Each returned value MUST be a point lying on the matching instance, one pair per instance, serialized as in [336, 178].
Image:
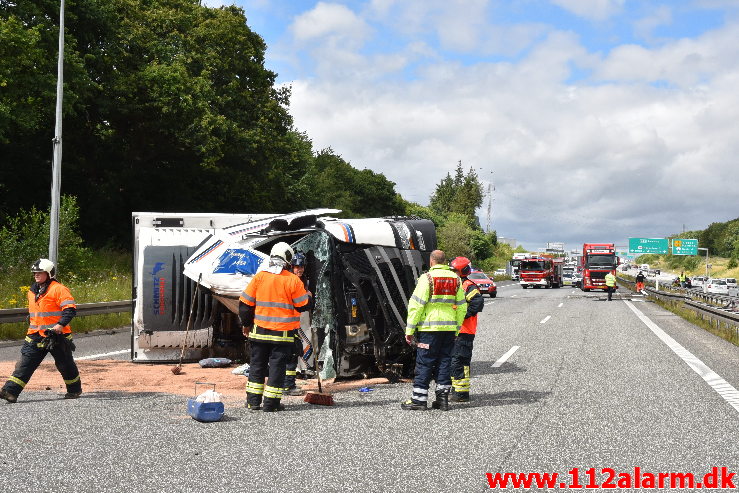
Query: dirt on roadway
[125, 376]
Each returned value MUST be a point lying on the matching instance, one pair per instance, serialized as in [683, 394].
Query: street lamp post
[56, 173]
[706, 249]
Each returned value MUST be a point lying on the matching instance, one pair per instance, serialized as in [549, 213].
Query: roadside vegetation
[92, 275]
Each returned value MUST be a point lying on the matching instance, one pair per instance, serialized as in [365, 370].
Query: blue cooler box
[205, 412]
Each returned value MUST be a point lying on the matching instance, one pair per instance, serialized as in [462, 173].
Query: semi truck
[189, 270]
[540, 272]
[598, 259]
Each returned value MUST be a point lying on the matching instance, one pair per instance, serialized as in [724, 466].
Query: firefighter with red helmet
[462, 354]
[50, 309]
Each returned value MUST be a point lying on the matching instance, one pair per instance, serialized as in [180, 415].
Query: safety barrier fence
[83, 310]
[720, 311]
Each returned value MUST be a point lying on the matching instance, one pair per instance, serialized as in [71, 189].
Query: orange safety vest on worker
[274, 298]
[469, 326]
[46, 311]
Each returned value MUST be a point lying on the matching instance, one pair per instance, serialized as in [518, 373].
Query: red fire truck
[598, 259]
[540, 271]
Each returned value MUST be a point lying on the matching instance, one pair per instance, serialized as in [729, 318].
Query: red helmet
[461, 265]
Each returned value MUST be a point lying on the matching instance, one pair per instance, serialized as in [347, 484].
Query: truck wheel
[523, 286]
[586, 289]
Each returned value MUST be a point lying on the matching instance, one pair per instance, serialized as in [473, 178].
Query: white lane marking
[560, 305]
[505, 357]
[93, 356]
[514, 296]
[545, 319]
[721, 386]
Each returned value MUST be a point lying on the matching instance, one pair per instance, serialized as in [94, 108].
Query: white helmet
[44, 265]
[283, 251]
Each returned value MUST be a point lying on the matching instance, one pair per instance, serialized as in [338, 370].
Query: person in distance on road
[462, 354]
[639, 281]
[50, 308]
[436, 310]
[269, 311]
[610, 284]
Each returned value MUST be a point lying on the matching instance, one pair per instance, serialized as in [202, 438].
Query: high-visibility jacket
[610, 280]
[475, 304]
[274, 298]
[437, 303]
[46, 311]
[683, 277]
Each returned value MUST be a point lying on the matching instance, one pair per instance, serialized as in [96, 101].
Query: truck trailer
[193, 267]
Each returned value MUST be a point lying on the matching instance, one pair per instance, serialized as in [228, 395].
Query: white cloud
[596, 10]
[645, 26]
[612, 157]
[329, 20]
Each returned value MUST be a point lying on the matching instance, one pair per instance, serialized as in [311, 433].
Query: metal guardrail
[717, 309]
[83, 310]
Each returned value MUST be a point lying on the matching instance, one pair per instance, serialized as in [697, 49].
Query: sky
[592, 120]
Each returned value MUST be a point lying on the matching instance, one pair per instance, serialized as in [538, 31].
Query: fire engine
[598, 259]
[540, 271]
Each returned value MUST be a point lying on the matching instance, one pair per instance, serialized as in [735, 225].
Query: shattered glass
[316, 247]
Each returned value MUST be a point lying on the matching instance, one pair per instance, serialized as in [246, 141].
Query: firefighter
[269, 310]
[462, 354]
[610, 284]
[50, 308]
[436, 310]
[298, 268]
[639, 281]
[683, 278]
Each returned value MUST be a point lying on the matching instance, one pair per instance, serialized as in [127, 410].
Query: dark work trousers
[461, 360]
[268, 360]
[610, 290]
[292, 364]
[433, 362]
[31, 357]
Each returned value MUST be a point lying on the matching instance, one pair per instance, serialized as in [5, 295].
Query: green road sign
[681, 246]
[641, 246]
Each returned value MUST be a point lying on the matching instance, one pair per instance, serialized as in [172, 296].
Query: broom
[178, 369]
[318, 397]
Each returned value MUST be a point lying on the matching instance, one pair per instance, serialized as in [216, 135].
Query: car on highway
[731, 282]
[484, 284]
[716, 286]
[499, 272]
[698, 281]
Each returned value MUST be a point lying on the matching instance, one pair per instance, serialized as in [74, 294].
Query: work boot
[272, 404]
[460, 397]
[73, 395]
[4, 394]
[411, 405]
[253, 401]
[442, 400]
[293, 391]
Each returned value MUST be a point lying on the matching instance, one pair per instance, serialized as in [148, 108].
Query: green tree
[167, 106]
[462, 194]
[454, 237]
[333, 182]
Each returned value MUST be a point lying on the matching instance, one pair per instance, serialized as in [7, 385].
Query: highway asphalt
[589, 384]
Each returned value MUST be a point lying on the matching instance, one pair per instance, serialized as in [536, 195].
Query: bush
[25, 238]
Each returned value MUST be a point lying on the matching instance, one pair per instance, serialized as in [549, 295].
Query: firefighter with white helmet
[269, 310]
[51, 308]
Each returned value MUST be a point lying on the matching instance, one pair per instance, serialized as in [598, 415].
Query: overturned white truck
[193, 267]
